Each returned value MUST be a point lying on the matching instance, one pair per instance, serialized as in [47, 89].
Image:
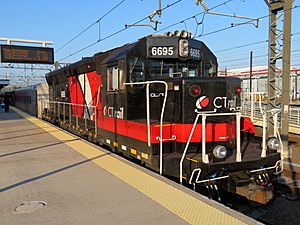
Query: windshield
[139, 70]
[172, 69]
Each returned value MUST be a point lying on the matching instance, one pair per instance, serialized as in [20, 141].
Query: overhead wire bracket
[151, 16]
[253, 21]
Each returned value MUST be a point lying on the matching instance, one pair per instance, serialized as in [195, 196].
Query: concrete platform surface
[49, 176]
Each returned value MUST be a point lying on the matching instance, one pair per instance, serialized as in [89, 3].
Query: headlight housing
[273, 143]
[184, 48]
[220, 151]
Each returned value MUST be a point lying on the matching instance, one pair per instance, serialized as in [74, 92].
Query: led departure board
[26, 54]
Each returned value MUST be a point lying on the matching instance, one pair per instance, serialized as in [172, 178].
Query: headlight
[273, 143]
[184, 48]
[220, 151]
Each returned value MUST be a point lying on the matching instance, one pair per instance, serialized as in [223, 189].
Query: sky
[61, 21]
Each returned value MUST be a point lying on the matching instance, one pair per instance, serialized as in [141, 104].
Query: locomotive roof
[119, 53]
[89, 63]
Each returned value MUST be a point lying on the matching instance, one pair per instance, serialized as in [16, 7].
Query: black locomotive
[159, 100]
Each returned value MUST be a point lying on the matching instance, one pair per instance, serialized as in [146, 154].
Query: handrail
[203, 150]
[96, 117]
[294, 115]
[72, 104]
[212, 179]
[264, 136]
[161, 115]
[278, 164]
[276, 133]
[192, 175]
[238, 133]
[186, 148]
[68, 103]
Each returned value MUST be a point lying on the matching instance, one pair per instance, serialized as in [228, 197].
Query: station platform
[49, 176]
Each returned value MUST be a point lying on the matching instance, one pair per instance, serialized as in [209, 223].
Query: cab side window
[137, 70]
[113, 78]
[210, 69]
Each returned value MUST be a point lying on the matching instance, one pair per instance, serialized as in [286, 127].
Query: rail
[148, 83]
[203, 150]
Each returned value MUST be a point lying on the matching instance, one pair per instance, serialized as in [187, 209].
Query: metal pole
[250, 80]
[275, 119]
[252, 102]
[285, 98]
[159, 8]
[296, 86]
[272, 67]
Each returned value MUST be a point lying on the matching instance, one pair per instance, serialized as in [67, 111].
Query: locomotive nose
[209, 95]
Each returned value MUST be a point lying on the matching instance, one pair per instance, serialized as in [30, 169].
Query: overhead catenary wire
[242, 46]
[91, 25]
[117, 32]
[246, 58]
[258, 62]
[235, 53]
[249, 44]
[192, 17]
[232, 26]
[253, 43]
[182, 21]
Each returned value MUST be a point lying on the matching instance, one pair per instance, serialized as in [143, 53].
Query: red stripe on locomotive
[76, 96]
[215, 132]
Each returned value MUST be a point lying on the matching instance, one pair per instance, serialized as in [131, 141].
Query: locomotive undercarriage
[251, 178]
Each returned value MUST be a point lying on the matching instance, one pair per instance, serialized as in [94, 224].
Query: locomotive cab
[188, 69]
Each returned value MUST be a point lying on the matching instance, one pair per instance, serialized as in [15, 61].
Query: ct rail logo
[111, 112]
[105, 110]
[202, 102]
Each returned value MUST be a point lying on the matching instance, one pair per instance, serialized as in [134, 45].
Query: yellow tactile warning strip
[180, 203]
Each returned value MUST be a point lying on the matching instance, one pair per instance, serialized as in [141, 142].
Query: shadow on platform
[17, 131]
[36, 148]
[28, 135]
[9, 187]
[11, 115]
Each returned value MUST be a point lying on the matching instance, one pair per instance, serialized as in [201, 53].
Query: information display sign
[26, 54]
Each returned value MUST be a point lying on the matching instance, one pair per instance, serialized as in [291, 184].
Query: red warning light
[238, 90]
[195, 90]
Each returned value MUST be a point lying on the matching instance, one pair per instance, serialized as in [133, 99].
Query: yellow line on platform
[187, 207]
